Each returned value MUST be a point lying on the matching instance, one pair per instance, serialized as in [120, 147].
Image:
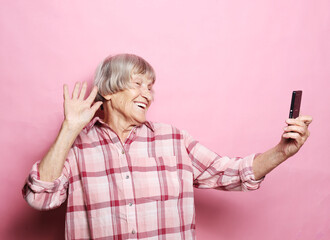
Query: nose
[147, 93]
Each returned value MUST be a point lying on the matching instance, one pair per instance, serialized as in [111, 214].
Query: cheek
[135, 92]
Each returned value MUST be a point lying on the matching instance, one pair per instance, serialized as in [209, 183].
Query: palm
[77, 110]
[289, 146]
[295, 135]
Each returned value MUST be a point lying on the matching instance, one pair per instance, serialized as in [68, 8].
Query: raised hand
[295, 135]
[79, 111]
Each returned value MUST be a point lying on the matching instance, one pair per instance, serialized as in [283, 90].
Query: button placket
[128, 191]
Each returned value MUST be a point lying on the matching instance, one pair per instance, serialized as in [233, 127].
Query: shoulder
[164, 128]
[89, 134]
[163, 131]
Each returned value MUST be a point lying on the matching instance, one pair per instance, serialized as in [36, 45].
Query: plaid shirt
[142, 189]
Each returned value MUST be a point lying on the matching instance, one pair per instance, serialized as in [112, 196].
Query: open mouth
[141, 105]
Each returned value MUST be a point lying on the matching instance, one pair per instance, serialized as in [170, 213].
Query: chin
[139, 120]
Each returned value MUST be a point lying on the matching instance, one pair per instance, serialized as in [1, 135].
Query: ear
[107, 97]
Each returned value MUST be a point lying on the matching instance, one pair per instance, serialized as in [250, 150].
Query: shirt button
[133, 231]
[130, 204]
[127, 177]
[122, 151]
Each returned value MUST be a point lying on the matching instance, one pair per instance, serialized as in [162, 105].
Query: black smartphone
[295, 104]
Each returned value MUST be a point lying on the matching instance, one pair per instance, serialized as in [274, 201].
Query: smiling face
[130, 106]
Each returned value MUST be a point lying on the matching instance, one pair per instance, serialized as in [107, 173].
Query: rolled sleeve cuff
[249, 182]
[38, 186]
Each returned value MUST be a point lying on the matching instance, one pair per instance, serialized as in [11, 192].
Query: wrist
[70, 128]
[280, 152]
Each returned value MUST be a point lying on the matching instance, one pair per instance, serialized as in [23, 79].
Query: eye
[137, 83]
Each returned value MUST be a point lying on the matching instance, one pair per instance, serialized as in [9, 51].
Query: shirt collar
[98, 121]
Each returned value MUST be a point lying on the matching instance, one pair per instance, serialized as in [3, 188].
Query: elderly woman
[127, 178]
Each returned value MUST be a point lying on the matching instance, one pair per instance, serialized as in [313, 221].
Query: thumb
[96, 106]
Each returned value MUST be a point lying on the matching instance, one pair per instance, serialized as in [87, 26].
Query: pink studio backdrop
[225, 72]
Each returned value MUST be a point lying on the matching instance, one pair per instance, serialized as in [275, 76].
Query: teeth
[141, 105]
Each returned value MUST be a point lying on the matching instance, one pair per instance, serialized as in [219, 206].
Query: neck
[121, 126]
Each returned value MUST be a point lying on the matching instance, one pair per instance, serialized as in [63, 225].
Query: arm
[78, 112]
[219, 172]
[294, 136]
[46, 186]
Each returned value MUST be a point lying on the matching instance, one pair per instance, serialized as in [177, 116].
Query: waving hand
[78, 111]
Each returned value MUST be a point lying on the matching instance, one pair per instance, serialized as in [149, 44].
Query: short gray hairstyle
[115, 72]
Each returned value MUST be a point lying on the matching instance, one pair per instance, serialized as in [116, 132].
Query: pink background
[225, 72]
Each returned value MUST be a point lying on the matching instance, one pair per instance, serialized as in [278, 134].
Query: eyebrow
[150, 82]
[142, 78]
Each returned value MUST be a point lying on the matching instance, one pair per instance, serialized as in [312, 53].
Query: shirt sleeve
[43, 195]
[213, 171]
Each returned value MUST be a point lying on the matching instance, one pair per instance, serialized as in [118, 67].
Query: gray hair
[115, 72]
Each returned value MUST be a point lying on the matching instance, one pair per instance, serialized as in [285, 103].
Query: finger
[92, 95]
[292, 135]
[83, 91]
[297, 129]
[76, 90]
[302, 121]
[96, 106]
[297, 122]
[65, 92]
[306, 119]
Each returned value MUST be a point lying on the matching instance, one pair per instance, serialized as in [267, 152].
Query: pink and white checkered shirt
[142, 189]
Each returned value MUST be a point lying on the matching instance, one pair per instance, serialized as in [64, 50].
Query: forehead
[143, 78]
